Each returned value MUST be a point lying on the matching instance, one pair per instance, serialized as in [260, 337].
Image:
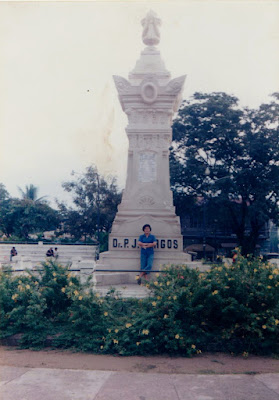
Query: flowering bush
[228, 309]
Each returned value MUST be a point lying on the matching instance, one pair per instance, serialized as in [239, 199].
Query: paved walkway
[68, 384]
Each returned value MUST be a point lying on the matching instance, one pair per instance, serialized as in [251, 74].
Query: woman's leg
[143, 264]
[149, 263]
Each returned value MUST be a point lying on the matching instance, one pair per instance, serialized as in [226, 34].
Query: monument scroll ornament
[149, 98]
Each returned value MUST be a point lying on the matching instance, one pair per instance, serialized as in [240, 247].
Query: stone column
[149, 98]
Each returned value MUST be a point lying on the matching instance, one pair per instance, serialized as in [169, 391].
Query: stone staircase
[30, 255]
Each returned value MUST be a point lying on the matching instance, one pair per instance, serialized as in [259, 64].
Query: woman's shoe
[139, 281]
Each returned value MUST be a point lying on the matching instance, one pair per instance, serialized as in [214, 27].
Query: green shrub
[229, 308]
[226, 309]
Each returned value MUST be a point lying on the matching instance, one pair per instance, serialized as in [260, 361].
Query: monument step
[124, 291]
[114, 278]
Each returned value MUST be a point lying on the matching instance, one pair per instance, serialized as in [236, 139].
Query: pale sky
[59, 109]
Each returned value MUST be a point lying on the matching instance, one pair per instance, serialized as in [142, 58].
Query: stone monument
[149, 98]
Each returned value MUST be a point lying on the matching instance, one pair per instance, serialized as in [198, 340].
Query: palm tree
[31, 194]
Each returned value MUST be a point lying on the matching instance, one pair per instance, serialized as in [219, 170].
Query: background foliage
[228, 156]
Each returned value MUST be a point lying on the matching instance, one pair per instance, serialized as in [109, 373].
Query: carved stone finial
[151, 33]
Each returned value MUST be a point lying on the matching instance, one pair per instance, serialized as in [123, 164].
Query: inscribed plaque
[147, 167]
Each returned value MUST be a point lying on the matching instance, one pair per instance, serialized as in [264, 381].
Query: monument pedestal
[149, 98]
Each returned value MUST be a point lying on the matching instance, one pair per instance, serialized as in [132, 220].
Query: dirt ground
[201, 364]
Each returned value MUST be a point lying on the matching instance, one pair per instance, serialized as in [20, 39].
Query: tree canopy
[21, 217]
[230, 156]
[95, 201]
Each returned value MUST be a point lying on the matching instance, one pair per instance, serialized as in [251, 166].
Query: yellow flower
[245, 354]
[255, 270]
[199, 351]
[70, 283]
[264, 326]
[166, 316]
[27, 286]
[105, 313]
[276, 322]
[36, 283]
[177, 336]
[115, 341]
[157, 274]
[14, 296]
[128, 325]
[63, 289]
[269, 287]
[159, 297]
[101, 347]
[109, 330]
[116, 330]
[215, 292]
[138, 343]
[168, 283]
[193, 346]
[156, 283]
[54, 273]
[174, 297]
[80, 298]
[270, 277]
[97, 294]
[76, 292]
[145, 331]
[154, 303]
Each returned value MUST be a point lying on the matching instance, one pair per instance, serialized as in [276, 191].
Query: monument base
[117, 261]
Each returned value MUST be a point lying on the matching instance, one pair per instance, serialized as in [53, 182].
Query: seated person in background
[50, 253]
[234, 256]
[13, 253]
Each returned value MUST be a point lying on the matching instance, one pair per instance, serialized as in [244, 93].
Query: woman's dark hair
[146, 226]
